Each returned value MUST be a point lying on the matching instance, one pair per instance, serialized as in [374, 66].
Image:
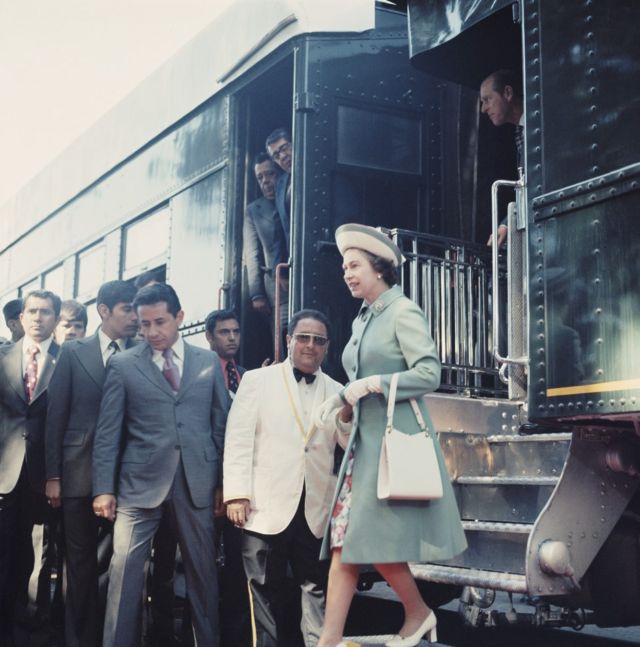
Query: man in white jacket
[278, 477]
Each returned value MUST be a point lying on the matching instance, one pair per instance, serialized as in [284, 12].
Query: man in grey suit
[25, 370]
[159, 443]
[264, 241]
[75, 392]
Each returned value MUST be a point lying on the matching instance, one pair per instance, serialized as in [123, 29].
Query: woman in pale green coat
[389, 335]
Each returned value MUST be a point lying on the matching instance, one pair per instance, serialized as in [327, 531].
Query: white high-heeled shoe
[427, 628]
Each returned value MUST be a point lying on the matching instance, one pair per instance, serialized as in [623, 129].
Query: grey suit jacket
[22, 423]
[144, 429]
[75, 392]
[264, 247]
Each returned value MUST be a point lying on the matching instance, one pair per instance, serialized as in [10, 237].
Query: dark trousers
[235, 615]
[28, 553]
[265, 559]
[82, 612]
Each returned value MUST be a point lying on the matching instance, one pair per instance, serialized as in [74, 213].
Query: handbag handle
[391, 403]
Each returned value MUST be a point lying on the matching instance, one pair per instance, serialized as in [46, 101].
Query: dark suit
[75, 392]
[156, 449]
[264, 247]
[283, 205]
[23, 505]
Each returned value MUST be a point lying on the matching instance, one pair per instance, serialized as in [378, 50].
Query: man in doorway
[278, 478]
[26, 368]
[75, 392]
[223, 334]
[158, 444]
[501, 99]
[264, 240]
[281, 152]
[73, 321]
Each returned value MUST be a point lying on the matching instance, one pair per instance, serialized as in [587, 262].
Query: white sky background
[63, 63]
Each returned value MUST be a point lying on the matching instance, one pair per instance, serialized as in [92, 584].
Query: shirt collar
[178, 350]
[27, 342]
[318, 372]
[381, 303]
[105, 340]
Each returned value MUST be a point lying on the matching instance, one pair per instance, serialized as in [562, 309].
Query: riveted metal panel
[583, 189]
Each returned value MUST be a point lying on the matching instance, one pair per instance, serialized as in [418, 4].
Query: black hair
[218, 315]
[278, 133]
[44, 294]
[383, 266]
[262, 157]
[74, 311]
[113, 292]
[12, 309]
[158, 293]
[500, 79]
[309, 314]
[148, 277]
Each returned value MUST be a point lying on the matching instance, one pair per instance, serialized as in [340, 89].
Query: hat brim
[370, 240]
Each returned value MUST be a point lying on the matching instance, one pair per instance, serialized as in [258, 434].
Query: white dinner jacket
[268, 458]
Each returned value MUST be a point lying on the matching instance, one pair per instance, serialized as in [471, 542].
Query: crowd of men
[103, 435]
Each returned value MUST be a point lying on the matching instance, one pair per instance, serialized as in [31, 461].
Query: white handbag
[408, 467]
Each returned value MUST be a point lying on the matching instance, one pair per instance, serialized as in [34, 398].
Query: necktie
[31, 374]
[170, 370]
[232, 378]
[114, 348]
[308, 377]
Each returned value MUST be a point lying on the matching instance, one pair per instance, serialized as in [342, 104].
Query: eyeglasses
[305, 338]
[280, 151]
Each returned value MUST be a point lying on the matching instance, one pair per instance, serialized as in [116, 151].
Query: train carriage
[539, 433]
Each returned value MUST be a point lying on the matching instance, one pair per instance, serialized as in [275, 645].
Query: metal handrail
[495, 187]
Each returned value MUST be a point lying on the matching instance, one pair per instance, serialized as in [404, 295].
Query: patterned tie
[232, 378]
[31, 374]
[170, 370]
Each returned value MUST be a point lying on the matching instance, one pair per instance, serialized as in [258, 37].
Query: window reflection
[90, 271]
[146, 242]
[54, 281]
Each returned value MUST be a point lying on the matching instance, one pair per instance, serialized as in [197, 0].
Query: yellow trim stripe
[601, 387]
[254, 632]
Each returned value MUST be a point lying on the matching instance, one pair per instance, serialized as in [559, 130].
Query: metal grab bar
[495, 318]
[277, 329]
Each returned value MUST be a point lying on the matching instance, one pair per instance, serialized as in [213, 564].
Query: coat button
[176, 446]
[180, 424]
[355, 342]
[24, 434]
[353, 368]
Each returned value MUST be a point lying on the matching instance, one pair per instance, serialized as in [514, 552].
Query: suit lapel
[90, 358]
[293, 395]
[190, 367]
[146, 366]
[13, 360]
[47, 370]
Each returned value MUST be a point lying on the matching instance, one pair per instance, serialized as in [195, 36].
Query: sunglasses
[305, 338]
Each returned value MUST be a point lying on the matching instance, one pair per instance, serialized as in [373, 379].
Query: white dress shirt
[105, 341]
[41, 357]
[178, 356]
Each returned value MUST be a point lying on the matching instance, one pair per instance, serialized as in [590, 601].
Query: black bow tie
[298, 374]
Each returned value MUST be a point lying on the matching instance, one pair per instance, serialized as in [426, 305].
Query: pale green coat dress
[389, 336]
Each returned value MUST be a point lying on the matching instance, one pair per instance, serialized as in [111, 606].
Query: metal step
[507, 480]
[513, 582]
[497, 527]
[529, 438]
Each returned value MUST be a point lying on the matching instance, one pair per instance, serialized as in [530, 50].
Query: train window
[54, 281]
[397, 145]
[35, 284]
[146, 242]
[90, 271]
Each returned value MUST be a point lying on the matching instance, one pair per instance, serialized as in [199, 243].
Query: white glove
[327, 410]
[360, 388]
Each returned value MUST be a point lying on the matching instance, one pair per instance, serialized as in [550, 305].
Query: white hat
[369, 239]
